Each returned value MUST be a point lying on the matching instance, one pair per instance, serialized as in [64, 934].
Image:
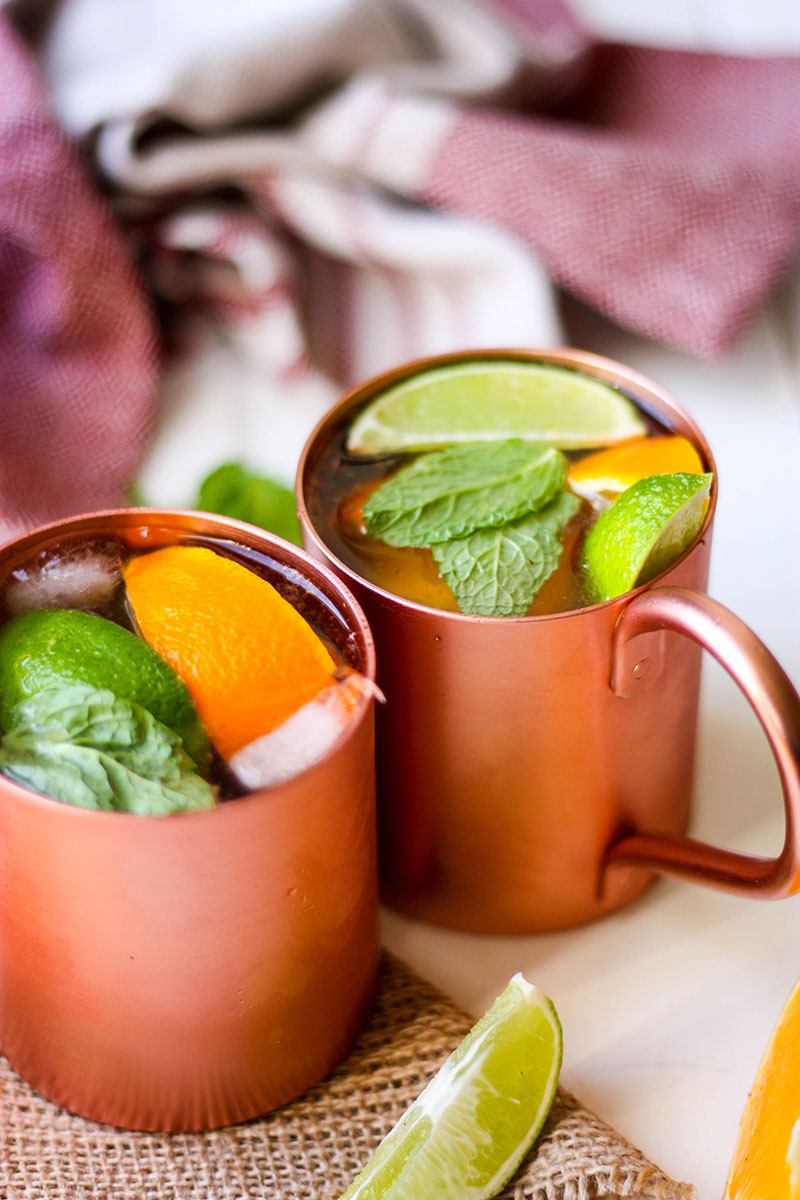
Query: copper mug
[195, 970]
[534, 772]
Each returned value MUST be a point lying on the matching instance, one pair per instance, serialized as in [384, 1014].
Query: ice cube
[304, 737]
[85, 576]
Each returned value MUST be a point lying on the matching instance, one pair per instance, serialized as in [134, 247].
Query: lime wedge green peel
[491, 400]
[467, 1133]
[51, 648]
[646, 528]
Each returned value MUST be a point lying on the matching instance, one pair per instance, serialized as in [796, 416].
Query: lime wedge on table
[469, 1130]
[484, 401]
[646, 528]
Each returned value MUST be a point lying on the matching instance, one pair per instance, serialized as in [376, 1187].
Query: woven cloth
[311, 1149]
[317, 190]
[77, 341]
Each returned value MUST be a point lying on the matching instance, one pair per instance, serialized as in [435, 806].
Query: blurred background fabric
[77, 338]
[314, 190]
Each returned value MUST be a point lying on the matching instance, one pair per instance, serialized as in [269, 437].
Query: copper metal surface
[518, 790]
[191, 971]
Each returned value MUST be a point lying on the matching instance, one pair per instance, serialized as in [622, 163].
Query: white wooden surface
[667, 1005]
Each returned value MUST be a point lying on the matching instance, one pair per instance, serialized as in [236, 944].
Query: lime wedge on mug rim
[646, 528]
[467, 1133]
[491, 400]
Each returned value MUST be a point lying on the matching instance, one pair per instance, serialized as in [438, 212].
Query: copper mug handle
[774, 701]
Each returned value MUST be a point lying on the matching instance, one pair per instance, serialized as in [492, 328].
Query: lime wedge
[491, 400]
[646, 528]
[54, 648]
[469, 1130]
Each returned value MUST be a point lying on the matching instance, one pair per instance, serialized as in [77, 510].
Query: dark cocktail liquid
[341, 484]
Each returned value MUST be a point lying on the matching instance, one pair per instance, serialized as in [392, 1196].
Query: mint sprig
[491, 513]
[88, 747]
[497, 572]
[452, 492]
[234, 491]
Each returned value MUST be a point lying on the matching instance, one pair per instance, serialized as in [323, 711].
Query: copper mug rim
[596, 366]
[312, 571]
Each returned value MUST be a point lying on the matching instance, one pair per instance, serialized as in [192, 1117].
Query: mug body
[507, 763]
[191, 971]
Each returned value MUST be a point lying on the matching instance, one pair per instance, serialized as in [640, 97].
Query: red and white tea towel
[77, 341]
[319, 189]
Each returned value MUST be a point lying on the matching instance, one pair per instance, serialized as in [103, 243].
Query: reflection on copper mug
[191, 971]
[533, 772]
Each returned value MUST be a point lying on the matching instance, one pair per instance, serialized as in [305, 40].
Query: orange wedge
[766, 1160]
[615, 469]
[794, 1162]
[247, 656]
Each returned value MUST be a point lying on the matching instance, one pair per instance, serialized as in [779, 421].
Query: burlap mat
[311, 1149]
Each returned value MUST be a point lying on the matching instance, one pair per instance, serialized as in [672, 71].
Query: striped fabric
[320, 189]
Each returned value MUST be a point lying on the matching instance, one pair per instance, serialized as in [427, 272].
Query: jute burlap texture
[311, 1149]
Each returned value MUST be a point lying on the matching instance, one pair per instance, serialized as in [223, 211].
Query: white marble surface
[668, 1005]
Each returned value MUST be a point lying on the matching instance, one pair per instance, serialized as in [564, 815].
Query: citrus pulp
[491, 401]
[766, 1159]
[617, 467]
[247, 656]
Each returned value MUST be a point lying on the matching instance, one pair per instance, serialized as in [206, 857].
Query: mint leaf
[497, 572]
[559, 512]
[234, 491]
[452, 492]
[89, 778]
[88, 747]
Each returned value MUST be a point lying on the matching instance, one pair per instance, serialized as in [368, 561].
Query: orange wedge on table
[247, 656]
[766, 1159]
[618, 467]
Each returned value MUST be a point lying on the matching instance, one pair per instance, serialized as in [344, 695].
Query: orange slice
[248, 658]
[764, 1164]
[793, 1158]
[615, 469]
